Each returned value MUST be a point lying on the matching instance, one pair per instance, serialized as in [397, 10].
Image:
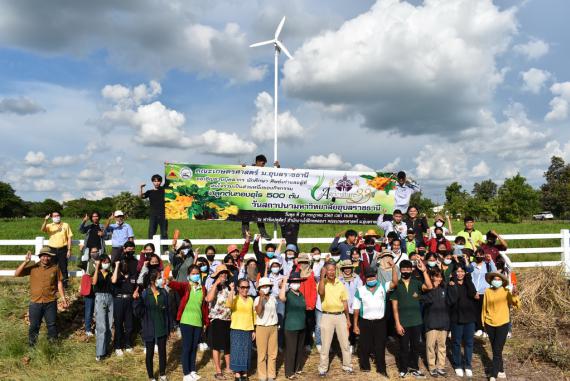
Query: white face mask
[56, 220]
[265, 290]
[316, 258]
[335, 258]
[295, 286]
[439, 224]
[105, 266]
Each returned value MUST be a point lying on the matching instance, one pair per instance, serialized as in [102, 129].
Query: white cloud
[434, 163]
[44, 185]
[222, 143]
[330, 161]
[59, 161]
[414, 69]
[559, 104]
[34, 172]
[533, 49]
[66, 196]
[480, 170]
[20, 106]
[392, 166]
[35, 158]
[262, 128]
[127, 97]
[361, 168]
[534, 79]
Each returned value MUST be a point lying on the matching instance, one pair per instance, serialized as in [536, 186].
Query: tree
[424, 204]
[555, 193]
[517, 199]
[11, 205]
[456, 199]
[133, 206]
[485, 190]
[481, 209]
[43, 208]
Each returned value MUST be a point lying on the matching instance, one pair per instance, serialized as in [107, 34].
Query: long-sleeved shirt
[343, 247]
[403, 194]
[478, 275]
[436, 309]
[461, 300]
[392, 226]
[496, 303]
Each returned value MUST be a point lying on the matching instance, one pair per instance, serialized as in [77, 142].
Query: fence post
[566, 251]
[38, 245]
[156, 242]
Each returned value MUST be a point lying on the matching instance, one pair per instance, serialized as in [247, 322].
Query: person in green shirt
[152, 308]
[473, 238]
[295, 307]
[408, 317]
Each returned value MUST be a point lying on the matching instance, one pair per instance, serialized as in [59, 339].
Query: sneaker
[201, 347]
[195, 376]
[188, 377]
[119, 352]
[509, 335]
[501, 375]
[318, 348]
[98, 358]
[459, 372]
[492, 379]
[403, 374]
[417, 374]
[89, 334]
[433, 373]
[129, 350]
[163, 378]
[478, 333]
[152, 379]
[351, 349]
[178, 333]
[347, 369]
[468, 373]
[441, 372]
[155, 350]
[144, 350]
[322, 374]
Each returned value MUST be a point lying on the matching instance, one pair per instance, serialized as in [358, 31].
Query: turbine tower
[279, 47]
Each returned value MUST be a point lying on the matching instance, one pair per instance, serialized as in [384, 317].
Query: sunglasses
[244, 287]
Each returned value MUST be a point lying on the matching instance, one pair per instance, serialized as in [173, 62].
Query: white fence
[563, 249]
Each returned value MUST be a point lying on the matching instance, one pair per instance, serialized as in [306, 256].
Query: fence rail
[563, 248]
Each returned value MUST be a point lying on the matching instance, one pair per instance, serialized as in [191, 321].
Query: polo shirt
[335, 296]
[476, 236]
[295, 312]
[371, 304]
[410, 246]
[43, 281]
[121, 233]
[58, 234]
[408, 302]
[192, 314]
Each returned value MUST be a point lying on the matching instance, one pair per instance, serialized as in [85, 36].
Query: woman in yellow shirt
[495, 317]
[241, 329]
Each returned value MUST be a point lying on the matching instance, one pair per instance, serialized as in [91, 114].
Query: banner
[283, 195]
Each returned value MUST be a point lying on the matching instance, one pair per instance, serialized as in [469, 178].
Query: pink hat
[232, 248]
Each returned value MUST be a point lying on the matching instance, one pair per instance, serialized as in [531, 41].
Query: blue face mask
[372, 283]
[275, 270]
[204, 269]
[160, 283]
[194, 278]
[497, 283]
[270, 254]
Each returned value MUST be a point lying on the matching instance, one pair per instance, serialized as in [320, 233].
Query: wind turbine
[279, 47]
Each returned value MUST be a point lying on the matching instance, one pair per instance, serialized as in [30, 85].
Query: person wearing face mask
[153, 264]
[408, 318]
[440, 222]
[496, 317]
[436, 323]
[448, 266]
[369, 320]
[242, 332]
[220, 319]
[357, 263]
[276, 277]
[232, 268]
[145, 256]
[238, 254]
[264, 258]
[266, 322]
[479, 269]
[94, 236]
[418, 224]
[193, 317]
[461, 294]
[182, 259]
[249, 271]
[473, 237]
[151, 307]
[121, 232]
[295, 307]
[351, 282]
[124, 282]
[431, 262]
[60, 235]
[492, 247]
[102, 287]
[211, 256]
[439, 239]
[318, 263]
[309, 291]
[289, 257]
[45, 282]
[369, 251]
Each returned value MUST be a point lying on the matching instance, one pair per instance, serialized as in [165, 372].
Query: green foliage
[424, 204]
[517, 199]
[43, 208]
[481, 209]
[485, 190]
[133, 206]
[456, 199]
[10, 204]
[555, 195]
[82, 206]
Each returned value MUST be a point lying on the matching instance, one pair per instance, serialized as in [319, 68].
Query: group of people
[409, 285]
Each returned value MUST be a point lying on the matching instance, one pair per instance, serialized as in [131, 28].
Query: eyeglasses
[244, 287]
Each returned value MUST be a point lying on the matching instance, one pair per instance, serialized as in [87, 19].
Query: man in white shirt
[404, 191]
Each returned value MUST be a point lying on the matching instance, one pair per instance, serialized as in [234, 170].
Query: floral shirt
[218, 309]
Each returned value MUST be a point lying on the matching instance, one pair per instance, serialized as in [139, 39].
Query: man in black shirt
[94, 237]
[124, 285]
[157, 217]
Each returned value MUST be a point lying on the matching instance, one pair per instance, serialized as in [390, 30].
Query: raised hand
[47, 217]
[421, 266]
[85, 218]
[28, 256]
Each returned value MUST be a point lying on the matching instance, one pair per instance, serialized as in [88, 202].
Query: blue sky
[95, 100]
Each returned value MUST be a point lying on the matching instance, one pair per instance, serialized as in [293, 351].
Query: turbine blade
[279, 27]
[284, 49]
[262, 43]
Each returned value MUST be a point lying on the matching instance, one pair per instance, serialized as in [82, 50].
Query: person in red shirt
[309, 291]
[439, 238]
[491, 246]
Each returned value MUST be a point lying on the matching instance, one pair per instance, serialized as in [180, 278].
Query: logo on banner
[186, 173]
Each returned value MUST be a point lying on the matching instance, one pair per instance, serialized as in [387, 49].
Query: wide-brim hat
[231, 249]
[264, 282]
[303, 257]
[220, 269]
[490, 276]
[46, 251]
[345, 264]
[249, 257]
[371, 233]
[295, 276]
[274, 261]
[386, 253]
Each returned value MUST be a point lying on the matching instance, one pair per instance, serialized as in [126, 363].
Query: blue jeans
[318, 316]
[103, 322]
[88, 311]
[190, 339]
[462, 333]
[39, 311]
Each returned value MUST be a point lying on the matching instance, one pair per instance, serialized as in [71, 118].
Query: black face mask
[479, 259]
[439, 236]
[406, 275]
[153, 267]
[442, 252]
[369, 249]
[129, 254]
[211, 257]
[491, 242]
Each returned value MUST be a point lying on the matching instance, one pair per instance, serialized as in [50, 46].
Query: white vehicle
[543, 216]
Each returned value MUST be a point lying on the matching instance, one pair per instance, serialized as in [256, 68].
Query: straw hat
[345, 264]
[490, 276]
[220, 269]
[371, 233]
[304, 257]
[386, 253]
[46, 251]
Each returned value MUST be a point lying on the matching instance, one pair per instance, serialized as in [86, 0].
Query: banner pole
[276, 99]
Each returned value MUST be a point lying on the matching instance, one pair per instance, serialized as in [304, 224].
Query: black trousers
[161, 343]
[37, 312]
[479, 304]
[310, 323]
[497, 337]
[123, 317]
[290, 231]
[294, 351]
[116, 254]
[154, 222]
[351, 334]
[372, 340]
[61, 258]
[410, 344]
[260, 226]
